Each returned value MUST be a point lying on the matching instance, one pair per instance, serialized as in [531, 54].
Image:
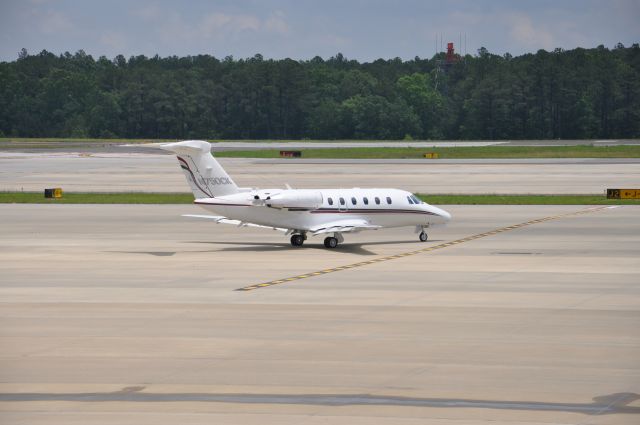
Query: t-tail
[204, 174]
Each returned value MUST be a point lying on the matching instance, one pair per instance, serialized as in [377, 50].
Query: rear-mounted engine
[294, 199]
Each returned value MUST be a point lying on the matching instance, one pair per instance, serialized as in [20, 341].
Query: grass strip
[471, 152]
[187, 198]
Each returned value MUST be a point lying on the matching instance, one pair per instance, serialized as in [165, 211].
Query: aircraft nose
[442, 213]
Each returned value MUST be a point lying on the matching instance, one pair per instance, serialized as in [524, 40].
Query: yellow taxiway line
[419, 251]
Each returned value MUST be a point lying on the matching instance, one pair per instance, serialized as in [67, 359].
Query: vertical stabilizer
[204, 174]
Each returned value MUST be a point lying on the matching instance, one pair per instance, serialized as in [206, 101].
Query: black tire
[330, 242]
[297, 240]
[423, 236]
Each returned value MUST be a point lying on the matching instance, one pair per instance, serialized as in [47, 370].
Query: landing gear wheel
[330, 242]
[297, 240]
[423, 236]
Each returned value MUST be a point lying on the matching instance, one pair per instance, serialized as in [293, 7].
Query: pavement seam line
[420, 251]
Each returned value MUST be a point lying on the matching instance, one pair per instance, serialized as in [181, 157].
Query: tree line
[563, 94]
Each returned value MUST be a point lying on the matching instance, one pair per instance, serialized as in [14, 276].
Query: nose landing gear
[423, 233]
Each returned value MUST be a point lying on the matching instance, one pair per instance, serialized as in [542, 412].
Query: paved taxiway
[111, 172]
[127, 314]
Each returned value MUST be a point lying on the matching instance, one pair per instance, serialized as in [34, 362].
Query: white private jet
[299, 212]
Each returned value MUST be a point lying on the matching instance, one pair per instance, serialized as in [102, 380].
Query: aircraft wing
[343, 226]
[225, 220]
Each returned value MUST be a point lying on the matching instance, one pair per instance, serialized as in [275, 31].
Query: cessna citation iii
[299, 212]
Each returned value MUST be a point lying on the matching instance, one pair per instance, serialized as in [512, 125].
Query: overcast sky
[302, 29]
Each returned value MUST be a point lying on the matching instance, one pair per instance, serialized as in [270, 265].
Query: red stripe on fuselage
[332, 211]
[370, 210]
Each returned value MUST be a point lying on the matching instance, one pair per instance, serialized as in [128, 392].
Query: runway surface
[129, 314]
[160, 173]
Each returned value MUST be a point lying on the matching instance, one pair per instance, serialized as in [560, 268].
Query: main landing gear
[298, 239]
[330, 242]
[333, 241]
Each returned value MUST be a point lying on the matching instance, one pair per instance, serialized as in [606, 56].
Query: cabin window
[353, 201]
[377, 200]
[341, 201]
[330, 201]
[365, 200]
[388, 200]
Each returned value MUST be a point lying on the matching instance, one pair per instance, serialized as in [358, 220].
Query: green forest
[563, 94]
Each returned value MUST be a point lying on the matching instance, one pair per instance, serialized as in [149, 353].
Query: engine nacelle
[295, 198]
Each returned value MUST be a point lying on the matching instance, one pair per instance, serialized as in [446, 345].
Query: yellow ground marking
[420, 251]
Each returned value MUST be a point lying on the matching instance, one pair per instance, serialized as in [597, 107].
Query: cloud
[523, 30]
[217, 24]
[276, 23]
[52, 22]
[148, 13]
[507, 30]
[335, 42]
[114, 41]
[173, 26]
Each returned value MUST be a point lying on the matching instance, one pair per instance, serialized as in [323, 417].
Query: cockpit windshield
[416, 199]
